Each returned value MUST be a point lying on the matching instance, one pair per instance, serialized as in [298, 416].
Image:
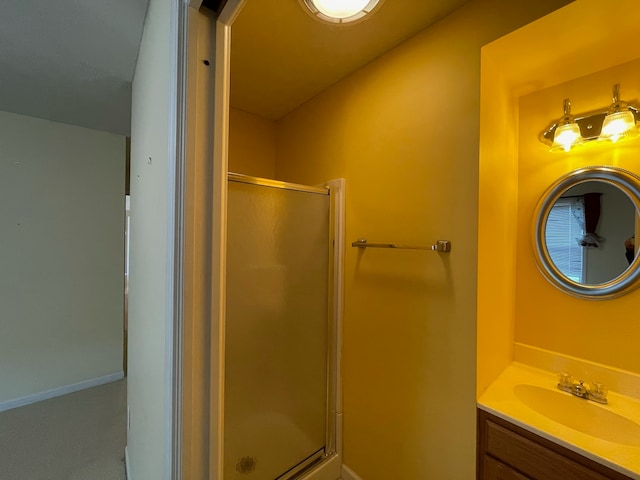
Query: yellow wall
[603, 331]
[525, 77]
[252, 144]
[404, 132]
[497, 206]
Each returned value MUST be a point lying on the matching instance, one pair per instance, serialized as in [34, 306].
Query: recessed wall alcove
[577, 52]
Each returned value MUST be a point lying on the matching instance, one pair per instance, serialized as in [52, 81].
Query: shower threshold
[305, 469]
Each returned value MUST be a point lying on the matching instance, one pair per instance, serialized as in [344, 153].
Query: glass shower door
[276, 330]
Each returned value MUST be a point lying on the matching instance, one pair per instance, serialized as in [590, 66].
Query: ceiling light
[619, 121]
[567, 132]
[340, 11]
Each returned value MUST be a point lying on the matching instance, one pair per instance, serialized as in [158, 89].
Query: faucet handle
[565, 380]
[599, 392]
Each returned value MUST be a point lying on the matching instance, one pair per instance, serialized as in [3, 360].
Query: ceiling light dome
[340, 11]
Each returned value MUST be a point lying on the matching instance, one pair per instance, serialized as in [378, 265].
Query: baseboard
[56, 392]
[348, 474]
[127, 471]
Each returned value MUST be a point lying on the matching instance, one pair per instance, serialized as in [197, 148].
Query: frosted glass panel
[276, 330]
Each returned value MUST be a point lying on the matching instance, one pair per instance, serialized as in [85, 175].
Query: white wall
[616, 224]
[61, 256]
[150, 297]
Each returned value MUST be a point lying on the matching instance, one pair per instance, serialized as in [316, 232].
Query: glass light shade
[340, 11]
[566, 136]
[617, 125]
[340, 8]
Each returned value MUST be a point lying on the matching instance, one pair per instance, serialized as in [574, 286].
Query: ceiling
[70, 61]
[281, 56]
[73, 61]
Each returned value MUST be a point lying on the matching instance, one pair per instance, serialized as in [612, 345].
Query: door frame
[222, 94]
[202, 107]
[198, 414]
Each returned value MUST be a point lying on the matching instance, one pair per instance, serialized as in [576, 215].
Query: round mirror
[584, 232]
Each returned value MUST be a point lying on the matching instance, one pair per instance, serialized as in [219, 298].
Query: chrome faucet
[597, 392]
[579, 390]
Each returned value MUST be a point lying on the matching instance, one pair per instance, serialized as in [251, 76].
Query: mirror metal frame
[624, 283]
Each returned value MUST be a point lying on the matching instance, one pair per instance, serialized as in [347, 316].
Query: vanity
[505, 450]
[529, 429]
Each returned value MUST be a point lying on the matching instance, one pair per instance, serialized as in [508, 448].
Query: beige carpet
[80, 436]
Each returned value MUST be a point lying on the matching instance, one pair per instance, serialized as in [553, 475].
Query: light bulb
[340, 8]
[567, 133]
[617, 125]
[566, 136]
[340, 11]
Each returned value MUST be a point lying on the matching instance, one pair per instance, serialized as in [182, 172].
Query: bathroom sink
[579, 414]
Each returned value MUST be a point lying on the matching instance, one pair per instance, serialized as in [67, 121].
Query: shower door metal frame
[265, 182]
[335, 190]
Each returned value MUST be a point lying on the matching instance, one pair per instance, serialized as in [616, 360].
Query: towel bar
[440, 245]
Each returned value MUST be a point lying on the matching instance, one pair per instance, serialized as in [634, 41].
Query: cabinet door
[494, 470]
[505, 450]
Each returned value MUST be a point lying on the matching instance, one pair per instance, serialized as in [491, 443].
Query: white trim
[230, 11]
[127, 469]
[338, 192]
[348, 474]
[173, 266]
[175, 343]
[222, 47]
[339, 429]
[219, 246]
[58, 391]
[338, 187]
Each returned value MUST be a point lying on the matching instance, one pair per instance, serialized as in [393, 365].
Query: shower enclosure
[280, 340]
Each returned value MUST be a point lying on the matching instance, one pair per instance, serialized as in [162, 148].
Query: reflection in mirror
[584, 233]
[588, 230]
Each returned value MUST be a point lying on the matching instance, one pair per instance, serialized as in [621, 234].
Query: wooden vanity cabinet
[509, 452]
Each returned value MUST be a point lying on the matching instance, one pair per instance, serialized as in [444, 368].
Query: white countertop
[500, 399]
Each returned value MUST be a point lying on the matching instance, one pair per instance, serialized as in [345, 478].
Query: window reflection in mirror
[564, 229]
[589, 231]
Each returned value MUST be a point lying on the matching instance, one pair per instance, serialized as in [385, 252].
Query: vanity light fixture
[618, 121]
[340, 11]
